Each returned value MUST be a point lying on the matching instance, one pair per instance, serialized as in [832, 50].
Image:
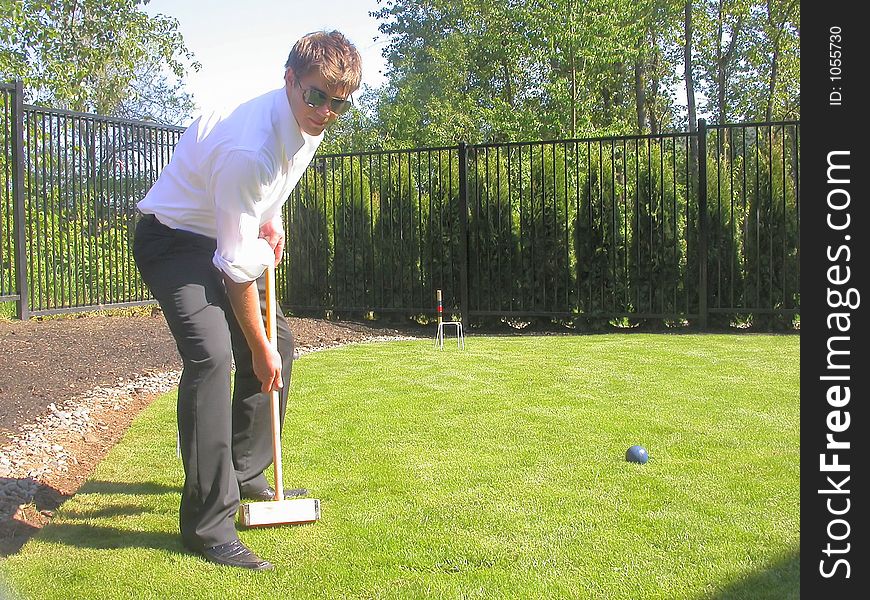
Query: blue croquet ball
[637, 454]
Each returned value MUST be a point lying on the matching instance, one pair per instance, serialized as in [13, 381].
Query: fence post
[463, 234]
[19, 223]
[703, 226]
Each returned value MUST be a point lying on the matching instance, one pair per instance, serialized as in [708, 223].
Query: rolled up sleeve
[237, 188]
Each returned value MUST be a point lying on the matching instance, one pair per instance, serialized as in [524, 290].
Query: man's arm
[243, 251]
[245, 300]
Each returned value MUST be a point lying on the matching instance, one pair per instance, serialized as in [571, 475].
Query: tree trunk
[690, 92]
[640, 94]
[723, 62]
[771, 86]
[652, 102]
[687, 69]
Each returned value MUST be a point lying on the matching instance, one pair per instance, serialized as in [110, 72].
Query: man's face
[313, 87]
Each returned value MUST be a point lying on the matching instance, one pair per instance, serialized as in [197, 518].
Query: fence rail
[699, 227]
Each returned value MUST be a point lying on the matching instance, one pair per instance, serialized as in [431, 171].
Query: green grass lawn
[495, 472]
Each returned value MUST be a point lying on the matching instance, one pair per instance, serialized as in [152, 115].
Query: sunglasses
[316, 98]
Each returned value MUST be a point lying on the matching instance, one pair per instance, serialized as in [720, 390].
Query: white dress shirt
[230, 173]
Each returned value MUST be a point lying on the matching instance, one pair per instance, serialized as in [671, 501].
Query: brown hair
[329, 53]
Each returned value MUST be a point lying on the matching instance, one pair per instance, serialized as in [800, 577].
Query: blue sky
[242, 45]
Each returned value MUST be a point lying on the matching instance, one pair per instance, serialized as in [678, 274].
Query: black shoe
[236, 554]
[269, 493]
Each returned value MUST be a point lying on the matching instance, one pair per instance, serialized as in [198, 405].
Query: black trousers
[224, 429]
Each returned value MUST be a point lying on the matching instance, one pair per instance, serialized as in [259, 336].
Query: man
[211, 225]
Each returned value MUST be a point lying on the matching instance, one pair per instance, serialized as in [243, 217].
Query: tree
[748, 58]
[461, 71]
[517, 70]
[103, 56]
[771, 88]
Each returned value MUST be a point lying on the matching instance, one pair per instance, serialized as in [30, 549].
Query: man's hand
[273, 232]
[267, 368]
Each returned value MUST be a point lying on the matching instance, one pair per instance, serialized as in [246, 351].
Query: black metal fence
[688, 227]
[698, 227]
[70, 185]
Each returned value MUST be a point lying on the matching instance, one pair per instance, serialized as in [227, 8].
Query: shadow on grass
[82, 535]
[76, 530]
[137, 488]
[109, 512]
[40, 502]
[13, 535]
[779, 581]
[25, 506]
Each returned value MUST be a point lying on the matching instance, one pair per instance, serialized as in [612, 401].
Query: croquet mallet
[278, 511]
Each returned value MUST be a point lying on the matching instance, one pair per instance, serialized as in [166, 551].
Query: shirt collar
[292, 137]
